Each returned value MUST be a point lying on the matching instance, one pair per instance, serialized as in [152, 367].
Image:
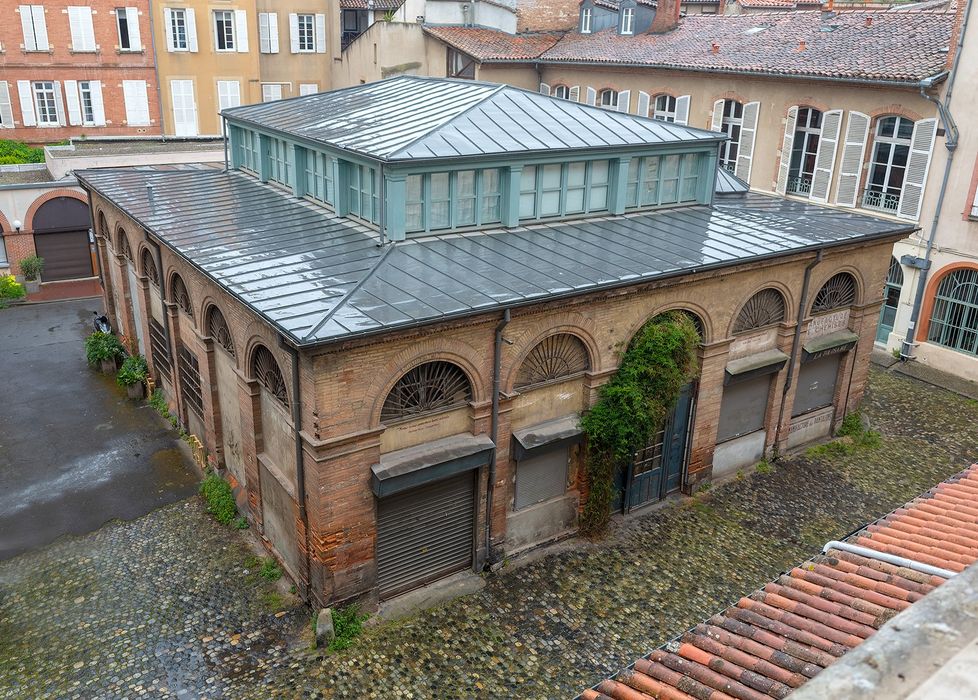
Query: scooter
[101, 323]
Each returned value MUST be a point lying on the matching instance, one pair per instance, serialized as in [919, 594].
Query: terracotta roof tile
[491, 45]
[785, 633]
[379, 5]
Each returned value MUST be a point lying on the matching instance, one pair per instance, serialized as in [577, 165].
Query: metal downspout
[156, 69]
[795, 342]
[300, 470]
[951, 144]
[497, 355]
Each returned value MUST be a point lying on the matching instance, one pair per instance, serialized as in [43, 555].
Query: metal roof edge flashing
[893, 559]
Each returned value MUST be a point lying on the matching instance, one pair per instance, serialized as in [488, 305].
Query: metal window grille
[124, 247]
[269, 375]
[219, 331]
[159, 350]
[429, 387]
[149, 268]
[181, 296]
[554, 357]
[838, 292]
[954, 321]
[189, 376]
[762, 309]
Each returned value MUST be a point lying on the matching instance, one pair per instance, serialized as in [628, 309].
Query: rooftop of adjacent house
[319, 278]
[378, 5]
[24, 174]
[883, 47]
[774, 640]
[411, 118]
[87, 148]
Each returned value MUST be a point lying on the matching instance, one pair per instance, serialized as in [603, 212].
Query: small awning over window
[432, 461]
[831, 344]
[744, 368]
[546, 436]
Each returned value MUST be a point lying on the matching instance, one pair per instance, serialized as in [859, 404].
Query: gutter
[156, 70]
[497, 355]
[951, 144]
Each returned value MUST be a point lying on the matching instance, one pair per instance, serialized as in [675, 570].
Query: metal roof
[728, 183]
[412, 117]
[320, 278]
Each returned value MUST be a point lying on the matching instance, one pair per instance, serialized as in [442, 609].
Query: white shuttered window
[82, 31]
[228, 94]
[184, 107]
[137, 102]
[34, 27]
[6, 107]
[851, 165]
[127, 22]
[268, 32]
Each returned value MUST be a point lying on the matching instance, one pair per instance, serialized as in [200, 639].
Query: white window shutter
[82, 31]
[132, 23]
[682, 110]
[272, 32]
[74, 104]
[98, 105]
[748, 134]
[544, 89]
[592, 96]
[643, 104]
[59, 104]
[574, 94]
[828, 147]
[624, 101]
[264, 42]
[294, 31]
[308, 88]
[716, 123]
[851, 165]
[191, 30]
[921, 148]
[787, 144]
[320, 33]
[241, 30]
[27, 25]
[6, 107]
[26, 94]
[168, 27]
[137, 102]
[228, 94]
[40, 28]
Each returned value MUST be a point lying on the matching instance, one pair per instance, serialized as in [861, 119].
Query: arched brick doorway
[61, 237]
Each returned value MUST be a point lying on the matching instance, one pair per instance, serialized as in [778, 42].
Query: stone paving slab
[164, 595]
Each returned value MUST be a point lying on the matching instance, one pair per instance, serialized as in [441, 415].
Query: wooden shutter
[98, 105]
[544, 89]
[137, 102]
[592, 96]
[716, 123]
[294, 31]
[574, 94]
[27, 26]
[168, 27]
[132, 24]
[320, 33]
[851, 165]
[26, 95]
[74, 104]
[828, 147]
[643, 104]
[241, 30]
[59, 104]
[228, 94]
[264, 33]
[921, 148]
[682, 110]
[40, 27]
[191, 30]
[787, 144]
[6, 107]
[272, 32]
[624, 101]
[82, 32]
[748, 135]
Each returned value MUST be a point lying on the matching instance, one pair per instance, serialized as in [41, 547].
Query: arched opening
[954, 318]
[764, 309]
[180, 296]
[430, 387]
[891, 300]
[608, 98]
[150, 270]
[555, 357]
[227, 406]
[266, 371]
[837, 293]
[3, 246]
[664, 108]
[60, 228]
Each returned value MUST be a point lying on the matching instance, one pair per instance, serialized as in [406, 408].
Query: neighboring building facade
[382, 260]
[71, 69]
[298, 43]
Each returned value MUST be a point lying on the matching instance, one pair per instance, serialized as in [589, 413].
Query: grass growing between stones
[347, 625]
[219, 498]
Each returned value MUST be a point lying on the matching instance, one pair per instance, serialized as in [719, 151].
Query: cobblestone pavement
[155, 607]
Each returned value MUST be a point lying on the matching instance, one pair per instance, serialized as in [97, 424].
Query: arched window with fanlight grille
[765, 308]
[554, 357]
[149, 268]
[266, 370]
[839, 292]
[180, 295]
[433, 386]
[954, 320]
[124, 248]
[218, 330]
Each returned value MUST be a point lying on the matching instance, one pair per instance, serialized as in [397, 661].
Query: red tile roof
[780, 636]
[895, 47]
[379, 5]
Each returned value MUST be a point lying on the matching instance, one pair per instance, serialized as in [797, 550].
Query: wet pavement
[161, 607]
[74, 451]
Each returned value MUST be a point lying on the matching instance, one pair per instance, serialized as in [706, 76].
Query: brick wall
[544, 15]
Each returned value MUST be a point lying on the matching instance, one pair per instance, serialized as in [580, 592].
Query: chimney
[828, 10]
[801, 45]
[715, 48]
[666, 17]
[869, 21]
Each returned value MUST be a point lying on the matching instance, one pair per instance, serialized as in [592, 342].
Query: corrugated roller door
[425, 534]
[66, 255]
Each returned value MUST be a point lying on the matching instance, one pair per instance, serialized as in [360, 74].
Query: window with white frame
[563, 189]
[228, 94]
[270, 92]
[954, 319]
[319, 176]
[664, 108]
[224, 30]
[731, 124]
[178, 29]
[586, 20]
[608, 98]
[628, 20]
[136, 97]
[6, 106]
[34, 28]
[561, 91]
[888, 166]
[363, 192]
[804, 150]
[459, 199]
[127, 23]
[307, 33]
[46, 101]
[663, 180]
[308, 88]
[85, 102]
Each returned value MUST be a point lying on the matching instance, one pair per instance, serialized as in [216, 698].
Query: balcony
[875, 198]
[800, 185]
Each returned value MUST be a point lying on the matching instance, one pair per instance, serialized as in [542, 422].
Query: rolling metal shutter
[425, 533]
[816, 384]
[743, 407]
[66, 255]
[541, 478]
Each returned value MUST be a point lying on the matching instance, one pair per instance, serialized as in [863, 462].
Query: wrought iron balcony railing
[875, 198]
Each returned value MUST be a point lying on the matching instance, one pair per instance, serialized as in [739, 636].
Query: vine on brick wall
[659, 361]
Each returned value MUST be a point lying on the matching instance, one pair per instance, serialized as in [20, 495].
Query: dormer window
[586, 20]
[628, 20]
[608, 98]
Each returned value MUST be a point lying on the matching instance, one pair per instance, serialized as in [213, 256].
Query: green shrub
[220, 501]
[158, 402]
[133, 371]
[347, 624]
[102, 346]
[18, 153]
[10, 288]
[32, 266]
[270, 570]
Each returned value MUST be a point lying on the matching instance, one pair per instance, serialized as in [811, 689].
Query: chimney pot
[715, 47]
[869, 21]
[801, 45]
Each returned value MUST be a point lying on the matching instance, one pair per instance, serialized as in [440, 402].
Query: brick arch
[894, 110]
[137, 256]
[691, 307]
[807, 103]
[817, 285]
[47, 197]
[576, 330]
[5, 225]
[923, 322]
[208, 304]
[663, 90]
[103, 232]
[790, 303]
[120, 233]
[172, 273]
[728, 95]
[248, 349]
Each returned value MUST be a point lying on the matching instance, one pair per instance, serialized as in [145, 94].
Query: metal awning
[744, 368]
[413, 466]
[831, 344]
[546, 436]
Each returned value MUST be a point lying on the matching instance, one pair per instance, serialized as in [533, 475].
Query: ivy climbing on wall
[658, 362]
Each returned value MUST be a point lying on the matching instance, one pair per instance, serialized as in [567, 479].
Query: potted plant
[31, 267]
[103, 349]
[132, 375]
